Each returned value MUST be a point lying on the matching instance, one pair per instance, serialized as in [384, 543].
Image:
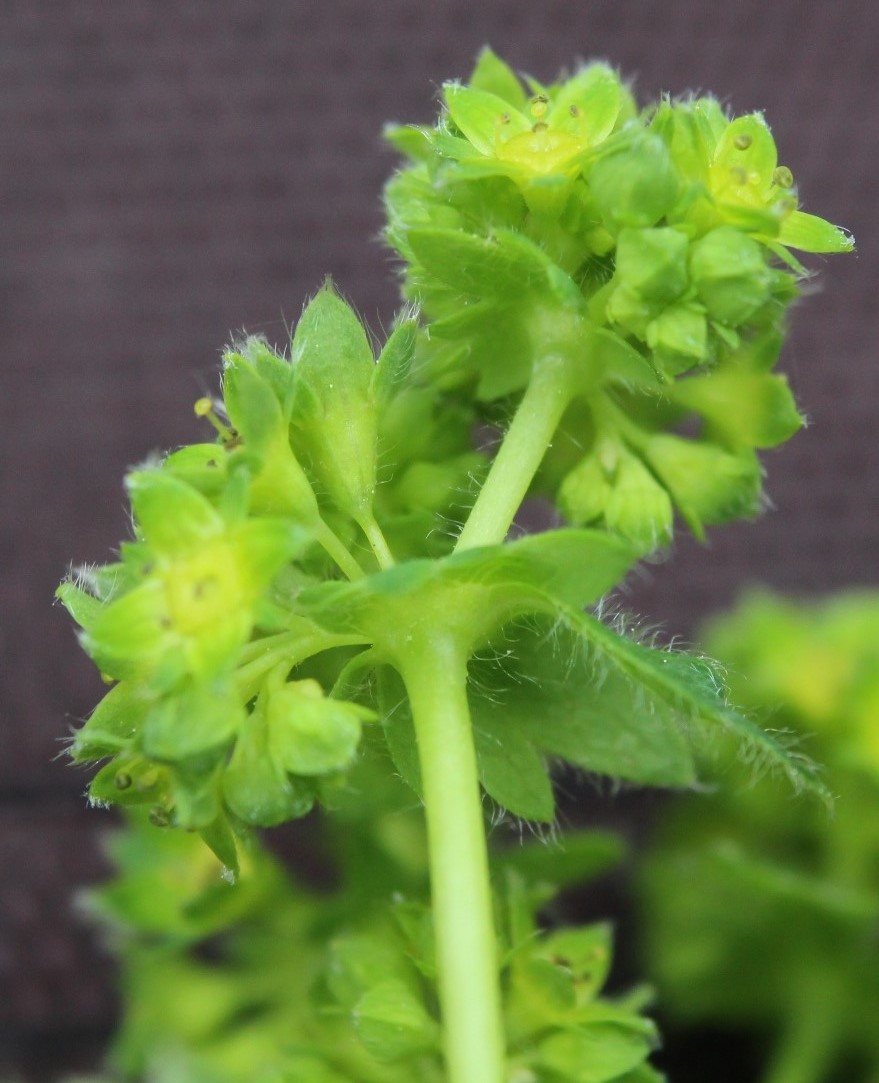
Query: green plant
[798, 964]
[329, 584]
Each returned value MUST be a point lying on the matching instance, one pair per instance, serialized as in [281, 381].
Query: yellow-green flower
[192, 606]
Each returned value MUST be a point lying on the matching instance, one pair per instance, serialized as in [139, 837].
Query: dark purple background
[172, 173]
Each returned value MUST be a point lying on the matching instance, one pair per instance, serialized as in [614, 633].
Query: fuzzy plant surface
[777, 928]
[335, 568]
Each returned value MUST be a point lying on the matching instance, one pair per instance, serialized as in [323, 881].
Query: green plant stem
[433, 663]
[377, 540]
[334, 548]
[530, 434]
[289, 648]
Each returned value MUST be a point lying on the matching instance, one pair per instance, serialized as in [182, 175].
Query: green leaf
[652, 263]
[688, 688]
[131, 780]
[492, 76]
[505, 266]
[709, 484]
[395, 359]
[601, 701]
[130, 632]
[749, 409]
[511, 771]
[333, 407]
[572, 566]
[679, 336]
[587, 105]
[730, 274]
[572, 702]
[220, 839]
[586, 953]
[397, 726]
[276, 371]
[584, 492]
[809, 233]
[310, 734]
[599, 1053]
[202, 466]
[479, 115]
[84, 607]
[173, 517]
[330, 348]
[393, 1023]
[255, 787]
[634, 185]
[190, 722]
[747, 145]
[252, 404]
[113, 724]
[638, 507]
[358, 961]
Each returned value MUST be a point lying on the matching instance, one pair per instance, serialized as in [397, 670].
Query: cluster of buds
[652, 248]
[214, 720]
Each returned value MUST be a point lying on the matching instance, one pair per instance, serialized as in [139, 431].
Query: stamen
[783, 177]
[539, 104]
[205, 408]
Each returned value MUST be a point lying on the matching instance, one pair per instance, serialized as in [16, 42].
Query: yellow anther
[783, 177]
[539, 104]
[205, 408]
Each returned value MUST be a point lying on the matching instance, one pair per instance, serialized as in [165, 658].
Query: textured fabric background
[171, 173]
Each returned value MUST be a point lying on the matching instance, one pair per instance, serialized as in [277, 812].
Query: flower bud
[638, 507]
[730, 274]
[310, 734]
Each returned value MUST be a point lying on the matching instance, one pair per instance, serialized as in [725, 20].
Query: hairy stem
[525, 443]
[434, 668]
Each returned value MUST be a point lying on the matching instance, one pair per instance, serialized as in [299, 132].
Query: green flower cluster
[271, 979]
[212, 721]
[642, 247]
[800, 963]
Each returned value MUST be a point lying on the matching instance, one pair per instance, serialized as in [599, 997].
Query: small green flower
[539, 136]
[196, 579]
[651, 251]
[732, 178]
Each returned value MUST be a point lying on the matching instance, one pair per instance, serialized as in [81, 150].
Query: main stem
[530, 434]
[434, 668]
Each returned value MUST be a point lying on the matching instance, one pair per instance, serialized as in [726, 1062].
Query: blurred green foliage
[763, 912]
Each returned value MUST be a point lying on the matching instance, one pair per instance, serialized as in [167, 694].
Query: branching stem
[335, 549]
[377, 540]
[518, 459]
